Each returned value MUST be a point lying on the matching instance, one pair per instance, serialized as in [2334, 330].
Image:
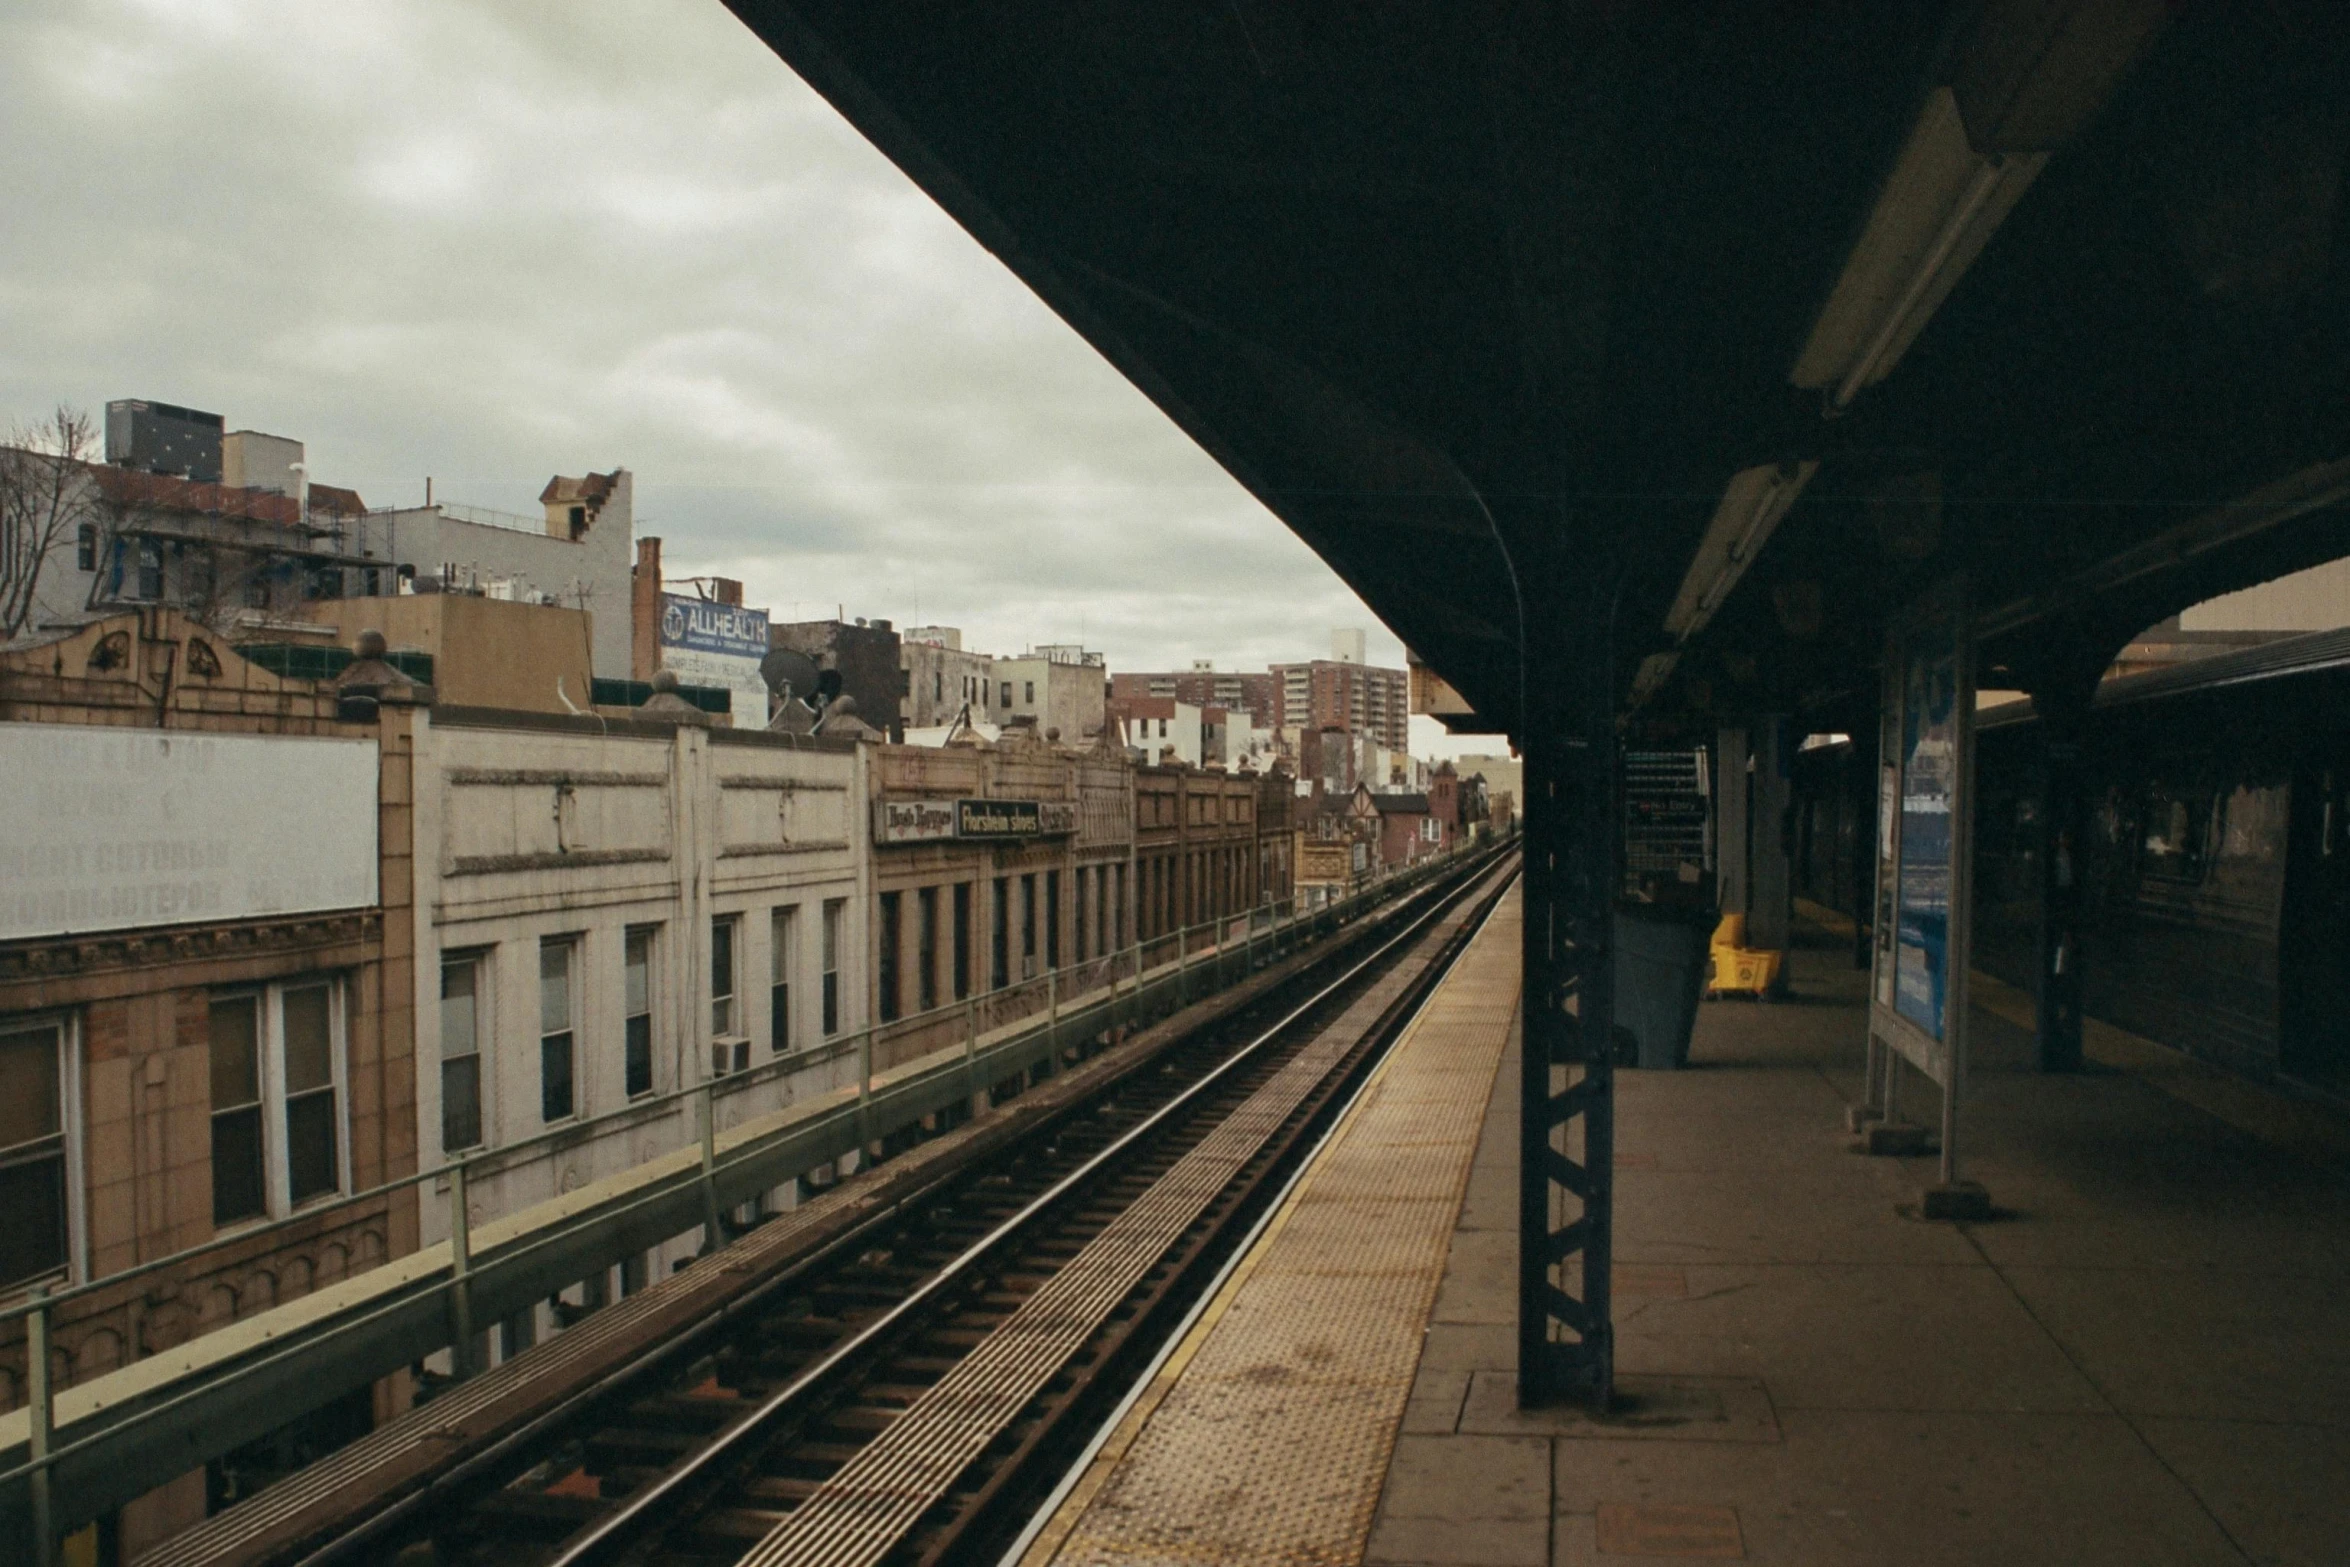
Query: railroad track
[902, 1396]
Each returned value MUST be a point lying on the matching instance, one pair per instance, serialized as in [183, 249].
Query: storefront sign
[931, 821]
[913, 821]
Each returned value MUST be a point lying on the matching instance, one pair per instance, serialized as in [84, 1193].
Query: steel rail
[609, 1532]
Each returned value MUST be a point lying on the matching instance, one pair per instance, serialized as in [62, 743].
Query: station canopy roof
[1773, 314]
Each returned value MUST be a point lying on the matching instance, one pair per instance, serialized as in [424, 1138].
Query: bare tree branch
[46, 498]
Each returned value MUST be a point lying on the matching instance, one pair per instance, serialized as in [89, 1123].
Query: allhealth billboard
[710, 644]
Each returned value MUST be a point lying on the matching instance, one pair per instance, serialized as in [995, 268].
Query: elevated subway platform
[2140, 1361]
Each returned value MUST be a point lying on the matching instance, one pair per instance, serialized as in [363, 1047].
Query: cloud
[493, 242]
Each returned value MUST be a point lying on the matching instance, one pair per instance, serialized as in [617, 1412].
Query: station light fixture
[1752, 504]
[1937, 211]
[1650, 677]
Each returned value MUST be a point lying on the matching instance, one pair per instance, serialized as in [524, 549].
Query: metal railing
[1250, 938]
[491, 517]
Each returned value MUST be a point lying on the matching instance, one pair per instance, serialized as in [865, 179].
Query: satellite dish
[789, 673]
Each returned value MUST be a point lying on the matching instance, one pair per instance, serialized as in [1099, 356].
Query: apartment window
[781, 928]
[461, 1008]
[722, 977]
[1084, 881]
[1007, 701]
[1052, 919]
[834, 911]
[962, 940]
[1028, 925]
[1000, 936]
[1118, 905]
[33, 1189]
[636, 1011]
[926, 948]
[1028, 693]
[276, 1085]
[886, 977]
[150, 570]
[938, 685]
[558, 1098]
[85, 547]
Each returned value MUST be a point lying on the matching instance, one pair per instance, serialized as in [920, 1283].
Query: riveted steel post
[460, 1275]
[713, 1234]
[865, 1093]
[1566, 1194]
[43, 1409]
[971, 1050]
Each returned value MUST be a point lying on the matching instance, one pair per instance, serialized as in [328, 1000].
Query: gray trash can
[1660, 971]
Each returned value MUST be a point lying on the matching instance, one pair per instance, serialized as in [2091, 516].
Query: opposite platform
[1265, 1436]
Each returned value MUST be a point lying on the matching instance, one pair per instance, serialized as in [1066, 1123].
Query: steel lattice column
[1566, 1145]
[2063, 817]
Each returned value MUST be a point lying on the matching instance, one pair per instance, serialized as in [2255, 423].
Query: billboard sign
[1918, 992]
[1929, 792]
[120, 829]
[913, 821]
[933, 821]
[705, 643]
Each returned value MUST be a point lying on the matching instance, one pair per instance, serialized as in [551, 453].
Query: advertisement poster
[1929, 787]
[705, 643]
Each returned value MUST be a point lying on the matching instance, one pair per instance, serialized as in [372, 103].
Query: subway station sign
[939, 821]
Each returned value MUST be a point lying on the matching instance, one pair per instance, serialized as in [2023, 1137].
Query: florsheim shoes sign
[935, 821]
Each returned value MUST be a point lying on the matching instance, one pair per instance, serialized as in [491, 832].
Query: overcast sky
[490, 242]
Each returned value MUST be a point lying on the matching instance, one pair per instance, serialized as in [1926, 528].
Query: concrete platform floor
[2145, 1360]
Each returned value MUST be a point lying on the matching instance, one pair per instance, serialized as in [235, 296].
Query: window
[2178, 828]
[1118, 906]
[938, 685]
[33, 1190]
[1028, 925]
[85, 547]
[239, 1188]
[1084, 882]
[557, 1097]
[460, 1053]
[636, 1010]
[886, 976]
[781, 928]
[722, 977]
[150, 569]
[277, 1111]
[1000, 936]
[962, 940]
[834, 910]
[1028, 693]
[313, 1163]
[926, 948]
[1007, 701]
[1052, 919]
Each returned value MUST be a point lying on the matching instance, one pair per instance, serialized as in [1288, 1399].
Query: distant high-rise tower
[1349, 647]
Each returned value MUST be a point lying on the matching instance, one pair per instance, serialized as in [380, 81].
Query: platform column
[1770, 884]
[2061, 812]
[1567, 1106]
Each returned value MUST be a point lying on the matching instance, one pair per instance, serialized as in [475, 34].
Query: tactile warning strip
[866, 1506]
[1273, 1433]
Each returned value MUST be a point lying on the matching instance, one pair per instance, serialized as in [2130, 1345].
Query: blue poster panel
[1929, 788]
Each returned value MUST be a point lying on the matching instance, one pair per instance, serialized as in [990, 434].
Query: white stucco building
[607, 911]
